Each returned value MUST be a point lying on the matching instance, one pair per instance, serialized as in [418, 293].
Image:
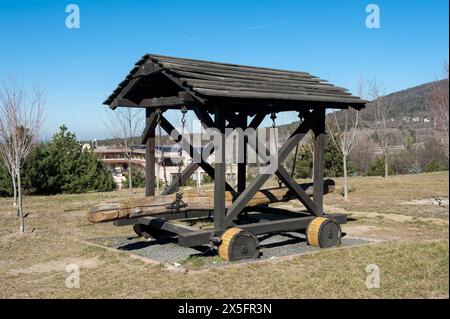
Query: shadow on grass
[144, 244]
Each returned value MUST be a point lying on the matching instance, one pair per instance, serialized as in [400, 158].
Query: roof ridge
[262, 68]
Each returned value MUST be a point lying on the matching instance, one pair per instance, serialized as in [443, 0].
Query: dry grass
[412, 252]
[392, 195]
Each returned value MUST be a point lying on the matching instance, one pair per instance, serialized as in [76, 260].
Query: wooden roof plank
[236, 73]
[223, 65]
[214, 76]
[264, 88]
[266, 95]
[249, 83]
[204, 79]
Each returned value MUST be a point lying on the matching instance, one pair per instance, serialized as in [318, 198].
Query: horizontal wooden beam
[172, 215]
[183, 98]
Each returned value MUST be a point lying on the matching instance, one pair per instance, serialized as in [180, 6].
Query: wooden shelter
[234, 96]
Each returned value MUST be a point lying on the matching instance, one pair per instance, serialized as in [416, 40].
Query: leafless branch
[438, 106]
[382, 107]
[20, 123]
[125, 125]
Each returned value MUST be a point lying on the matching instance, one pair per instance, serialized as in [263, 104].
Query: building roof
[154, 77]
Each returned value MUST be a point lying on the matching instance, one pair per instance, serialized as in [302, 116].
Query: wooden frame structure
[231, 96]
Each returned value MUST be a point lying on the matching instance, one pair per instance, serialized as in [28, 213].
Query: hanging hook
[158, 115]
[183, 115]
[273, 117]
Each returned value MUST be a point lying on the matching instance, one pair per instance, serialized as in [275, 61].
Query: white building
[168, 160]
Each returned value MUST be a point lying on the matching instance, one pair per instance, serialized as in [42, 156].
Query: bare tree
[125, 125]
[20, 122]
[343, 135]
[382, 109]
[437, 105]
[362, 155]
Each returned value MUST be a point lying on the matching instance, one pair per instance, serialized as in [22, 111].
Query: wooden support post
[219, 172]
[242, 158]
[150, 153]
[319, 149]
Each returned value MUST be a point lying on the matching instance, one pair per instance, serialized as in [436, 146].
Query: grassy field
[401, 215]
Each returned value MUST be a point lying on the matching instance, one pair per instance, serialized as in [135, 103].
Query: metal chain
[163, 159]
[296, 149]
[180, 152]
[178, 202]
[273, 117]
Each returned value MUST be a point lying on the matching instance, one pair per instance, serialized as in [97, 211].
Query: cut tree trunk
[155, 205]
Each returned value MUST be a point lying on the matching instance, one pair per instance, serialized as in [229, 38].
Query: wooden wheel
[238, 244]
[323, 232]
[150, 232]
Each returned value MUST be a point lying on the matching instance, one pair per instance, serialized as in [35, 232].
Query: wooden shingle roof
[206, 81]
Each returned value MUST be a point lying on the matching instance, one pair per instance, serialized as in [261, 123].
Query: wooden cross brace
[241, 201]
[187, 147]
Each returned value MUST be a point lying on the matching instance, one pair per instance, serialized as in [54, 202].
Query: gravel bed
[169, 252]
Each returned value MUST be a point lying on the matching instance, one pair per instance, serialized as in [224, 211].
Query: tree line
[58, 167]
[431, 157]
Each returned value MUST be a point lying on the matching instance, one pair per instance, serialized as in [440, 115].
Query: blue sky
[80, 67]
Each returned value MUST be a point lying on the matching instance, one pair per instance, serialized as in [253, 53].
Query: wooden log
[155, 205]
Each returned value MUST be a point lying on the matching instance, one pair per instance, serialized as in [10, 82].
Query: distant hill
[409, 102]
